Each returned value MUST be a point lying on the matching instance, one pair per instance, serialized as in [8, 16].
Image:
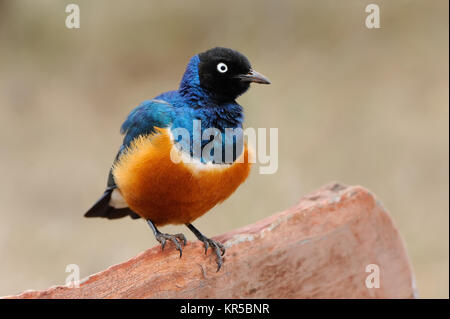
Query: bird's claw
[175, 239]
[219, 249]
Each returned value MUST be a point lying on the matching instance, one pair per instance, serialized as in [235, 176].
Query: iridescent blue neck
[190, 88]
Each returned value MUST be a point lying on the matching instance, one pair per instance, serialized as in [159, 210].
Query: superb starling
[149, 180]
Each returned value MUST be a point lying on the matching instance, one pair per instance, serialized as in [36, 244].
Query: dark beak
[253, 76]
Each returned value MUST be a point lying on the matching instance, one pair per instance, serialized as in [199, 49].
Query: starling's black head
[226, 73]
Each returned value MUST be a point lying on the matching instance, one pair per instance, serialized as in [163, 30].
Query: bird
[155, 179]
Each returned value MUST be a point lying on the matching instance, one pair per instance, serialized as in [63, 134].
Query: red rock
[317, 249]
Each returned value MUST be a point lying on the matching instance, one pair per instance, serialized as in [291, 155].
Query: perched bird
[151, 181]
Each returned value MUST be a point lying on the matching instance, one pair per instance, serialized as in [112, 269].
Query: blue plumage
[179, 109]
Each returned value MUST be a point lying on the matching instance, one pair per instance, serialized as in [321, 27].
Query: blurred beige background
[361, 106]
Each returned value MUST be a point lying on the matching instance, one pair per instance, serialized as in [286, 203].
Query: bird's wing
[141, 121]
[144, 118]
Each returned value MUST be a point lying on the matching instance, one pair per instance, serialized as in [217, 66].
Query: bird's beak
[253, 76]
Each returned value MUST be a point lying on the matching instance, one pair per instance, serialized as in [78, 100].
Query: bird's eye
[222, 67]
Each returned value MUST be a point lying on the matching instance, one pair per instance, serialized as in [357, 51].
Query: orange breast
[158, 183]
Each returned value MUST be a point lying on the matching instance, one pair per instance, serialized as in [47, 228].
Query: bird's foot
[218, 248]
[176, 239]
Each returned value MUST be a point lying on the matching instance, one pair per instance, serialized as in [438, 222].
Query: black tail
[102, 209]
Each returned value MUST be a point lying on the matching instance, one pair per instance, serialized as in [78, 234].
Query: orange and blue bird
[150, 180]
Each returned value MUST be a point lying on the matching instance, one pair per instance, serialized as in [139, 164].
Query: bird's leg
[219, 249]
[175, 239]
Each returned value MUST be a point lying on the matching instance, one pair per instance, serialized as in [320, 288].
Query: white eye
[222, 67]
